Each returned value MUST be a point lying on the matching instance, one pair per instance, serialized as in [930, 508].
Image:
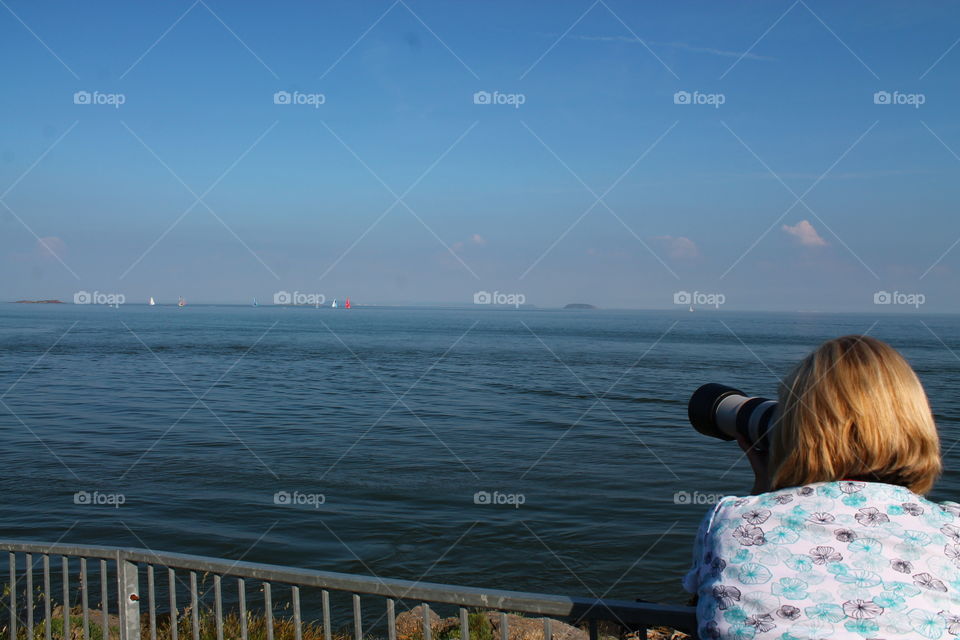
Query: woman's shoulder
[868, 500]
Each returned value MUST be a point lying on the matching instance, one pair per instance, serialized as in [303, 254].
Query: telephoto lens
[723, 412]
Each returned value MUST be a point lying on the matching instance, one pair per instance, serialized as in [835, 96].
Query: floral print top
[828, 560]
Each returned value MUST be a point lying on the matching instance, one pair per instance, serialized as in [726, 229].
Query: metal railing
[123, 571]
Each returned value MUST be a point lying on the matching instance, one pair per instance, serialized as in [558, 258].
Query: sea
[522, 449]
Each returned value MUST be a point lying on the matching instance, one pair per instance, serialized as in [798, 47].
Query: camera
[723, 412]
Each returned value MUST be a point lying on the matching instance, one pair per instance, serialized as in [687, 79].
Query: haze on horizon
[787, 155]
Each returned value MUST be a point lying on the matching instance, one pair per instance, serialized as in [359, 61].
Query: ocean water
[358, 440]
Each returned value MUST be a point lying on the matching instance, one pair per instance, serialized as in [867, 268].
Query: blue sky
[498, 197]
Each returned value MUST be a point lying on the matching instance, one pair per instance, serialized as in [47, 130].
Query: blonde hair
[854, 409]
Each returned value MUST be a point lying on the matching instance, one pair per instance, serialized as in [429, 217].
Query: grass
[56, 630]
[284, 628]
[478, 624]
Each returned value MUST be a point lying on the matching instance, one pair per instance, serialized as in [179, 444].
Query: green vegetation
[56, 629]
[283, 628]
[479, 625]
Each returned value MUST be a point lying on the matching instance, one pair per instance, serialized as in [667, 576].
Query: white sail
[152, 301]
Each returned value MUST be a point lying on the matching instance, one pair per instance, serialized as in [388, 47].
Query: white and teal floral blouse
[828, 560]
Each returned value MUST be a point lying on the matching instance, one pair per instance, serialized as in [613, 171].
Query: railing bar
[325, 601]
[13, 595]
[504, 632]
[547, 635]
[357, 622]
[391, 620]
[151, 593]
[594, 632]
[29, 568]
[59, 549]
[65, 563]
[104, 602]
[194, 606]
[174, 614]
[242, 591]
[464, 624]
[85, 598]
[47, 630]
[427, 631]
[268, 606]
[297, 628]
[218, 604]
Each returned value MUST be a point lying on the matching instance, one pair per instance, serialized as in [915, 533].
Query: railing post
[128, 581]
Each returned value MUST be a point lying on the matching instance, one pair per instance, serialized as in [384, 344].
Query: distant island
[579, 305]
[38, 302]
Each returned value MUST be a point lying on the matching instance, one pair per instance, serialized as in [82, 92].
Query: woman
[836, 540]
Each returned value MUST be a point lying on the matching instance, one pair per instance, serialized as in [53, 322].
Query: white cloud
[680, 247]
[478, 239]
[805, 234]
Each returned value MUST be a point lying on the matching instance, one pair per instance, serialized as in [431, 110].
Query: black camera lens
[723, 412]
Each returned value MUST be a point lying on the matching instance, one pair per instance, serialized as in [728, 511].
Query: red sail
[347, 304]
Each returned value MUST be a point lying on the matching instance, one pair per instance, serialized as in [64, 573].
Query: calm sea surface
[398, 417]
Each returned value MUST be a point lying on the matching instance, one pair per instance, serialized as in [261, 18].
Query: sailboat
[691, 309]
[255, 303]
[334, 305]
[347, 305]
[152, 302]
[181, 302]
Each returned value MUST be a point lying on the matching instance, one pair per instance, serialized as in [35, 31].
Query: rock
[410, 624]
[661, 633]
[521, 628]
[410, 627]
